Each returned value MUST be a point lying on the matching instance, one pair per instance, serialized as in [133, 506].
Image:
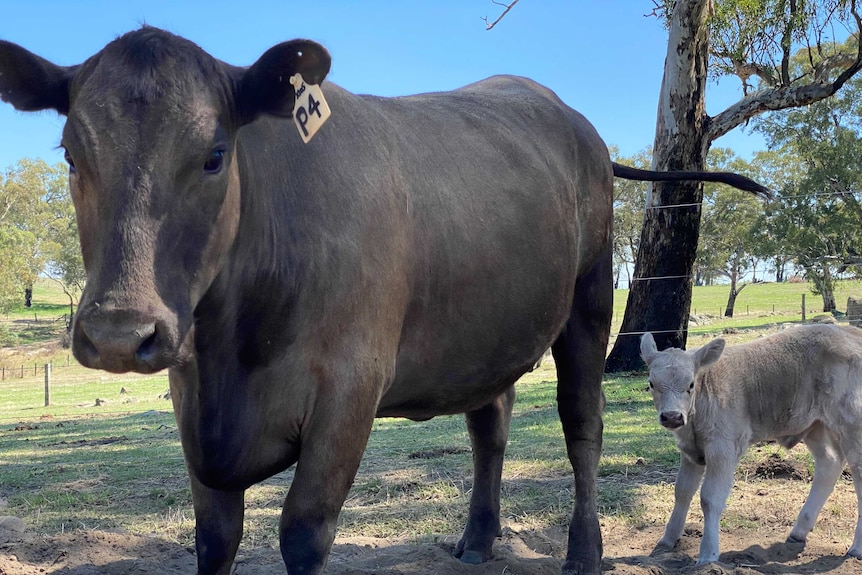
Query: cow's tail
[731, 179]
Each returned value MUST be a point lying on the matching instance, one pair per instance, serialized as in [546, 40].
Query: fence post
[803, 307]
[47, 384]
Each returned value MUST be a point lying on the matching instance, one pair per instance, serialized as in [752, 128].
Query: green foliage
[37, 227]
[629, 202]
[817, 215]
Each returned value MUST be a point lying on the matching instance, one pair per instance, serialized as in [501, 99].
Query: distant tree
[629, 200]
[34, 204]
[771, 242]
[819, 212]
[755, 41]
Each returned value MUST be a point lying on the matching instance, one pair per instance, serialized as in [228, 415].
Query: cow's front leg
[721, 460]
[218, 527]
[332, 444]
[687, 481]
[489, 432]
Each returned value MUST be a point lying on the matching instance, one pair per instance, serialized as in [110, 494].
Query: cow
[801, 384]
[414, 258]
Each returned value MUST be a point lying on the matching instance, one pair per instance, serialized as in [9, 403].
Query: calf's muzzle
[671, 419]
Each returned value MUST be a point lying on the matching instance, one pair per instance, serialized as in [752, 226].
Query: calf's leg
[851, 445]
[687, 481]
[721, 461]
[579, 353]
[489, 432]
[828, 464]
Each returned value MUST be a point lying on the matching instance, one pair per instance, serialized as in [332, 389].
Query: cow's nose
[671, 419]
[117, 348]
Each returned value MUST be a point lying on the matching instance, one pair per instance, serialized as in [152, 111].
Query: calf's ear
[31, 83]
[265, 87]
[648, 348]
[709, 353]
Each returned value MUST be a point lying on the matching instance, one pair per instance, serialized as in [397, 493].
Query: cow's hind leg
[489, 431]
[828, 464]
[579, 353]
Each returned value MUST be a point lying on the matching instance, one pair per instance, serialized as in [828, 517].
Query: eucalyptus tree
[34, 204]
[753, 40]
[819, 214]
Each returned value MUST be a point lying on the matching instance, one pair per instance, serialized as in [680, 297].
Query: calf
[803, 384]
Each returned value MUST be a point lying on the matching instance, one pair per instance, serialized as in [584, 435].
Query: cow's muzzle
[671, 419]
[120, 341]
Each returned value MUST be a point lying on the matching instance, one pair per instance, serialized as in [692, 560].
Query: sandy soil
[627, 552]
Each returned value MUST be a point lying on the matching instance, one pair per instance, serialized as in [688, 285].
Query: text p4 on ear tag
[310, 109]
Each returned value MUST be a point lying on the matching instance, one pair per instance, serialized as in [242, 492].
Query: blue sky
[602, 57]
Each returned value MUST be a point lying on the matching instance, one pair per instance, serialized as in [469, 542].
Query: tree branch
[508, 7]
[783, 97]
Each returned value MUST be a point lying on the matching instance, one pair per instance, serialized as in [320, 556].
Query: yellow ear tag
[310, 109]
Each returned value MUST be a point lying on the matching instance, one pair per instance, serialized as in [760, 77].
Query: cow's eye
[214, 163]
[690, 387]
[69, 161]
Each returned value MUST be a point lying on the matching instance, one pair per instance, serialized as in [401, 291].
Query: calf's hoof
[855, 553]
[795, 539]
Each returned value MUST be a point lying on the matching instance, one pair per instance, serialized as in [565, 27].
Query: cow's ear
[709, 353]
[648, 348]
[30, 82]
[265, 87]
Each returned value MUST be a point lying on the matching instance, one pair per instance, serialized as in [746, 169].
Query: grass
[757, 305]
[118, 465]
[75, 465]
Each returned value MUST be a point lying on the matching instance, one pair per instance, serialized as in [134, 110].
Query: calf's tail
[731, 179]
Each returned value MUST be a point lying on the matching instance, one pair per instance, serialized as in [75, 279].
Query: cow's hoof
[580, 568]
[472, 558]
[795, 540]
[855, 553]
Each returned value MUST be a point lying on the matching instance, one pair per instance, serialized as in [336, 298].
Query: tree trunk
[827, 290]
[660, 298]
[28, 297]
[779, 270]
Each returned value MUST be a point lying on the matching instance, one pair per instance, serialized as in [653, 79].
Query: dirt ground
[627, 552]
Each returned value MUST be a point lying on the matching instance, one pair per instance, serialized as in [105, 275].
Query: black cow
[413, 259]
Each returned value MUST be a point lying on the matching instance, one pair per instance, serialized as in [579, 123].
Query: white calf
[803, 384]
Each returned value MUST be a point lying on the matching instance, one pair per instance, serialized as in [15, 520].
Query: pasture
[93, 483]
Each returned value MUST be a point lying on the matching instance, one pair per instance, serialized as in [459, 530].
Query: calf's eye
[214, 163]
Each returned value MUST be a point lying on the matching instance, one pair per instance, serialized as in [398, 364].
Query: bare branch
[507, 7]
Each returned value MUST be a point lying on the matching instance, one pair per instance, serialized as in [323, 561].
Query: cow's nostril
[148, 348]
